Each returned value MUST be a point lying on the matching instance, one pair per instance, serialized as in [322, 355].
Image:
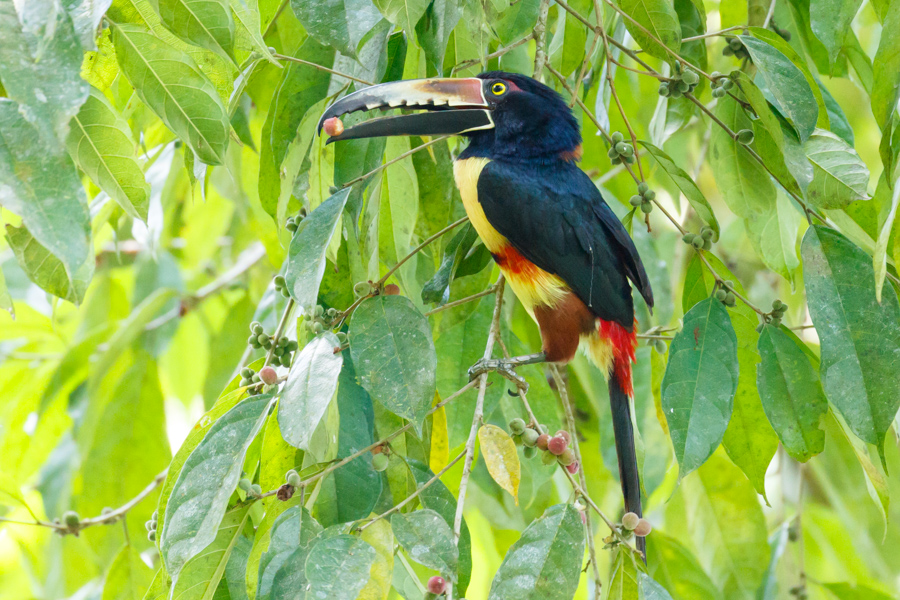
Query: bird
[562, 250]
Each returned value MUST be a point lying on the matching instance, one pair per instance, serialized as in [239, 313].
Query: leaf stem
[321, 68]
[465, 300]
[394, 160]
[496, 54]
[419, 248]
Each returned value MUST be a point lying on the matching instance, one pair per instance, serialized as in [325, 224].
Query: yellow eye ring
[498, 88]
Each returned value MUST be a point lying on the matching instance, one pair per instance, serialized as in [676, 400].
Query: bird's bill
[452, 106]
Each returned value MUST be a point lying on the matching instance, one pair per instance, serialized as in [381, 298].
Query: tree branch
[540, 52]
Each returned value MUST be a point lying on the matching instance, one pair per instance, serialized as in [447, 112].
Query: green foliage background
[151, 155]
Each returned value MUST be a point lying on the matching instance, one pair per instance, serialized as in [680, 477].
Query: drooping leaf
[202, 574]
[306, 255]
[886, 69]
[379, 536]
[677, 570]
[206, 481]
[830, 21]
[860, 338]
[402, 13]
[623, 583]
[774, 236]
[660, 19]
[247, 35]
[791, 394]
[40, 66]
[44, 269]
[428, 540]
[839, 174]
[100, 143]
[291, 537]
[439, 498]
[310, 387]
[434, 29]
[545, 563]
[341, 24]
[686, 184]
[394, 355]
[338, 568]
[206, 23]
[128, 576]
[173, 86]
[501, 457]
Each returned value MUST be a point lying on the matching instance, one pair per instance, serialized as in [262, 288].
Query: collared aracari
[563, 251]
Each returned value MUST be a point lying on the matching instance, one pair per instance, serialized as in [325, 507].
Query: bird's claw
[504, 368]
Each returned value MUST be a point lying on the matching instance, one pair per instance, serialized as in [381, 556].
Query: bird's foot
[506, 368]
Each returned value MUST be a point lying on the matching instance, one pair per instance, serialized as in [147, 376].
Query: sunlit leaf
[310, 386]
[839, 174]
[501, 457]
[341, 24]
[402, 13]
[128, 576]
[677, 570]
[206, 23]
[338, 568]
[623, 583]
[658, 17]
[379, 536]
[886, 66]
[428, 540]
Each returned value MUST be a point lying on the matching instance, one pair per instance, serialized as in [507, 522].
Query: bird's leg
[507, 367]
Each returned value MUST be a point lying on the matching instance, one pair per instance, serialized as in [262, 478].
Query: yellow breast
[466, 173]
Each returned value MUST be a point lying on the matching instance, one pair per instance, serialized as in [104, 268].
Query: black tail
[628, 466]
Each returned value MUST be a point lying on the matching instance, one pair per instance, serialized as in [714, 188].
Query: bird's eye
[498, 88]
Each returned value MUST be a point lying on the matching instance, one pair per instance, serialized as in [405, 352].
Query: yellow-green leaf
[440, 443]
[501, 458]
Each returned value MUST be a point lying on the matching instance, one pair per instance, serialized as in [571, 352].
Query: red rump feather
[623, 343]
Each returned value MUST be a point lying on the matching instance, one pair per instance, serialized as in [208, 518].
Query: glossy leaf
[791, 393]
[173, 86]
[341, 24]
[686, 184]
[700, 382]
[205, 23]
[501, 457]
[206, 482]
[306, 255]
[394, 355]
[39, 183]
[310, 387]
[545, 563]
[202, 574]
[338, 568]
[40, 65]
[101, 145]
[860, 338]
[428, 540]
[839, 174]
[660, 19]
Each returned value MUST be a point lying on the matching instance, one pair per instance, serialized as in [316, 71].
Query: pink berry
[437, 584]
[583, 518]
[542, 441]
[565, 435]
[333, 126]
[643, 528]
[268, 375]
[557, 445]
[573, 468]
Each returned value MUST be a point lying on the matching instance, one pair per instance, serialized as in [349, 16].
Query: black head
[505, 115]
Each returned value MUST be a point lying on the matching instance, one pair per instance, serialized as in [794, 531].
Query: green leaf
[686, 184]
[879, 258]
[830, 20]
[516, 21]
[677, 570]
[201, 575]
[566, 49]
[40, 65]
[247, 28]
[206, 481]
[860, 338]
[650, 589]
[341, 24]
[394, 355]
[438, 287]
[434, 28]
[306, 255]
[128, 577]
[728, 527]
[403, 13]
[839, 174]
[299, 89]
[310, 386]
[159, 588]
[338, 568]
[791, 394]
[851, 591]
[660, 19]
[39, 183]
[11, 494]
[744, 183]
[787, 83]
[773, 236]
[380, 537]
[886, 65]
[428, 540]
[173, 86]
[205, 23]
[100, 143]
[292, 535]
[545, 563]
[623, 583]
[6, 302]
[439, 498]
[700, 382]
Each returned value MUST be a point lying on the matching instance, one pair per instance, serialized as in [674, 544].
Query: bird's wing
[556, 218]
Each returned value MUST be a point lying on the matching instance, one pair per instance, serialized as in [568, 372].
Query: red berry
[557, 445]
[437, 584]
[268, 375]
[333, 126]
[573, 468]
[542, 441]
[583, 518]
[565, 435]
[392, 289]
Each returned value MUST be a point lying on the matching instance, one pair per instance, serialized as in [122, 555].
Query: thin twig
[461, 301]
[418, 248]
[282, 324]
[713, 33]
[769, 14]
[394, 160]
[493, 334]
[415, 494]
[496, 54]
[321, 68]
[540, 34]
